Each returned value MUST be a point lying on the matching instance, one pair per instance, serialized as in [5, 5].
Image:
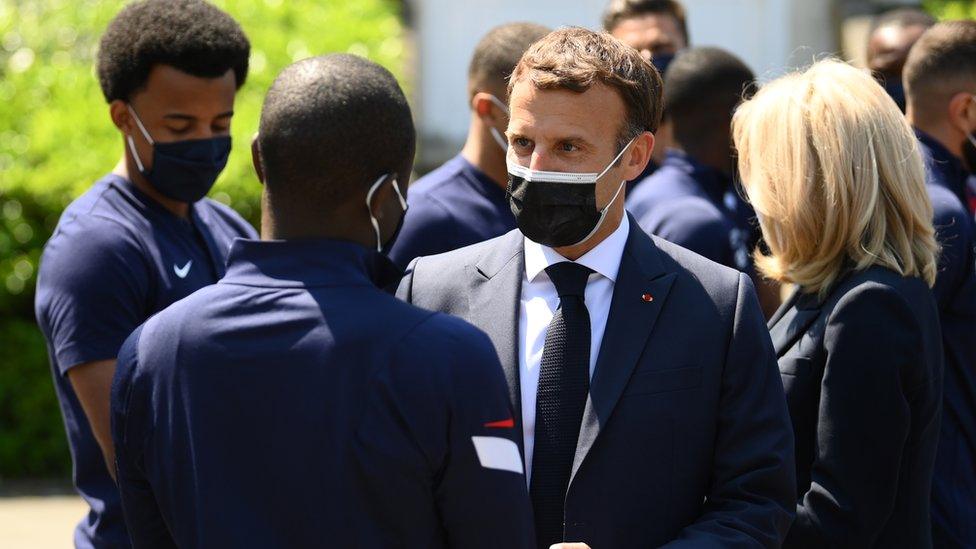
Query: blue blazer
[685, 436]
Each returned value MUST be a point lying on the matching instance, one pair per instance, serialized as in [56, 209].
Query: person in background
[889, 41]
[692, 199]
[940, 86]
[296, 403]
[142, 236]
[463, 201]
[835, 176]
[658, 29]
[647, 397]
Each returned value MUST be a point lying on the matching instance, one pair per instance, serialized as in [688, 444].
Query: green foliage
[951, 9]
[56, 138]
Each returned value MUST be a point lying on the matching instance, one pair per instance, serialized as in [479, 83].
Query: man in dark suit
[296, 403]
[463, 201]
[940, 81]
[644, 381]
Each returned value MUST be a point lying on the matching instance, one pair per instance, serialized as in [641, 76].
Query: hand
[574, 545]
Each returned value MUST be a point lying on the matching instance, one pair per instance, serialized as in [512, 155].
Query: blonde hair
[836, 177]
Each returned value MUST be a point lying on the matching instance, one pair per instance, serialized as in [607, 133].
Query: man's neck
[293, 222]
[177, 208]
[483, 153]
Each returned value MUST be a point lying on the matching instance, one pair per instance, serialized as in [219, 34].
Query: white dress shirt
[538, 305]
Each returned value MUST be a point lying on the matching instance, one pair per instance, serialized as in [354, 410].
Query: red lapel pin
[647, 297]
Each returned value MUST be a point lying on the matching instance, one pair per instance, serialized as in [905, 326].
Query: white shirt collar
[604, 258]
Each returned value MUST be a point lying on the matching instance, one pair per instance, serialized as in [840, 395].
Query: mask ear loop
[497, 135]
[603, 212]
[132, 144]
[616, 158]
[369, 210]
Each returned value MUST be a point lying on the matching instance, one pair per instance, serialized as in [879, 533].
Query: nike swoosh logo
[184, 270]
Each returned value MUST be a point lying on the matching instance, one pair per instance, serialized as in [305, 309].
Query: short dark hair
[498, 52]
[702, 87]
[330, 126]
[941, 64]
[620, 10]
[902, 18]
[190, 35]
[575, 58]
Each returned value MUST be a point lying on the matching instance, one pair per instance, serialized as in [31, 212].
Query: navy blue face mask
[662, 61]
[183, 170]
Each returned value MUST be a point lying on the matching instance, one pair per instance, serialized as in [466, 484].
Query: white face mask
[373, 220]
[499, 138]
[528, 174]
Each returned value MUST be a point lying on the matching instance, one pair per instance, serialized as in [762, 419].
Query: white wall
[769, 35]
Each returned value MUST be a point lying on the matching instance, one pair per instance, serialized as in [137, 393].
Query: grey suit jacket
[686, 436]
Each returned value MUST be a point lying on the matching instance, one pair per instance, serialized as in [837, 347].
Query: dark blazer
[863, 377]
[685, 435]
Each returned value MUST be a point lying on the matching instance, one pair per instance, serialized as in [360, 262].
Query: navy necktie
[564, 380]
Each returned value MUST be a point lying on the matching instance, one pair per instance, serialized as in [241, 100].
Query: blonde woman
[834, 173]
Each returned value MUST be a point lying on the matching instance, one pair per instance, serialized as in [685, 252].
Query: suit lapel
[629, 325]
[494, 308]
[792, 320]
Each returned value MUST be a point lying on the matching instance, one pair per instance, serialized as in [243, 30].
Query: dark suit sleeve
[129, 406]
[753, 492]
[863, 421]
[482, 500]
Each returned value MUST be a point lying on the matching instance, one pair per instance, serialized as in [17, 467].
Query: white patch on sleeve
[498, 453]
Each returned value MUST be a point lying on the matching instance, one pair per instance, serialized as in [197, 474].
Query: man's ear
[961, 111]
[639, 155]
[121, 116]
[486, 109]
[256, 158]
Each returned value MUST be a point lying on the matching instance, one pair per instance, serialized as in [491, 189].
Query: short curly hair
[190, 35]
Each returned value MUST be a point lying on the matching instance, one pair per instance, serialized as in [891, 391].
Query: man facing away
[940, 86]
[143, 236]
[647, 393]
[296, 403]
[463, 201]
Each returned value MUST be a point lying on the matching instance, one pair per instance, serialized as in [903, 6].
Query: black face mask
[183, 170]
[557, 209]
[381, 246]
